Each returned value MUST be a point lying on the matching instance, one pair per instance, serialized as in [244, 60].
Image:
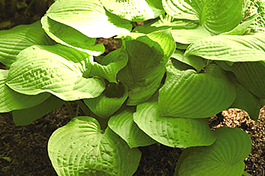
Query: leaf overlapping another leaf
[224, 158]
[55, 69]
[88, 17]
[18, 38]
[79, 148]
[11, 100]
[172, 131]
[195, 95]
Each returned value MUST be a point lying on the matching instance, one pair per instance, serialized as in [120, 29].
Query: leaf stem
[70, 109]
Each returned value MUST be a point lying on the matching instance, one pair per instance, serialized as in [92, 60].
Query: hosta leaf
[26, 116]
[196, 62]
[11, 100]
[109, 101]
[188, 36]
[79, 148]
[18, 38]
[217, 16]
[251, 75]
[68, 36]
[224, 158]
[195, 95]
[180, 9]
[146, 66]
[231, 48]
[109, 66]
[172, 131]
[247, 101]
[123, 125]
[133, 10]
[55, 69]
[88, 17]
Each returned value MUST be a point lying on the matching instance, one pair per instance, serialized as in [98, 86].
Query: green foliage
[190, 60]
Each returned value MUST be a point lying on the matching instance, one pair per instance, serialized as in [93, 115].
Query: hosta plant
[188, 61]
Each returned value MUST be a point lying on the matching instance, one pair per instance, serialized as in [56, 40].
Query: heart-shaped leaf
[18, 38]
[122, 123]
[224, 158]
[146, 66]
[88, 17]
[11, 100]
[172, 131]
[195, 95]
[55, 69]
[80, 148]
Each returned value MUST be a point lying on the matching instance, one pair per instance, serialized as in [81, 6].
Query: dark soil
[23, 150]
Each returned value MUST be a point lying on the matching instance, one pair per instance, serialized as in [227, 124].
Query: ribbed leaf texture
[224, 158]
[79, 148]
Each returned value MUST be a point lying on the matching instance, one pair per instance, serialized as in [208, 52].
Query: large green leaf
[224, 158]
[247, 101]
[217, 16]
[109, 66]
[18, 38]
[122, 123]
[69, 36]
[146, 66]
[251, 75]
[11, 100]
[195, 95]
[88, 17]
[26, 116]
[55, 69]
[172, 131]
[231, 48]
[109, 101]
[133, 10]
[80, 148]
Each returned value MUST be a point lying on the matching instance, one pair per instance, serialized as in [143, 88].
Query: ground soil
[23, 150]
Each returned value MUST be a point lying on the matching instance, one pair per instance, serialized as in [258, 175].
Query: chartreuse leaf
[109, 66]
[195, 95]
[11, 100]
[214, 15]
[80, 148]
[69, 36]
[172, 131]
[18, 38]
[231, 48]
[26, 116]
[55, 69]
[251, 75]
[146, 66]
[184, 32]
[133, 10]
[247, 101]
[109, 101]
[88, 17]
[224, 158]
[122, 124]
